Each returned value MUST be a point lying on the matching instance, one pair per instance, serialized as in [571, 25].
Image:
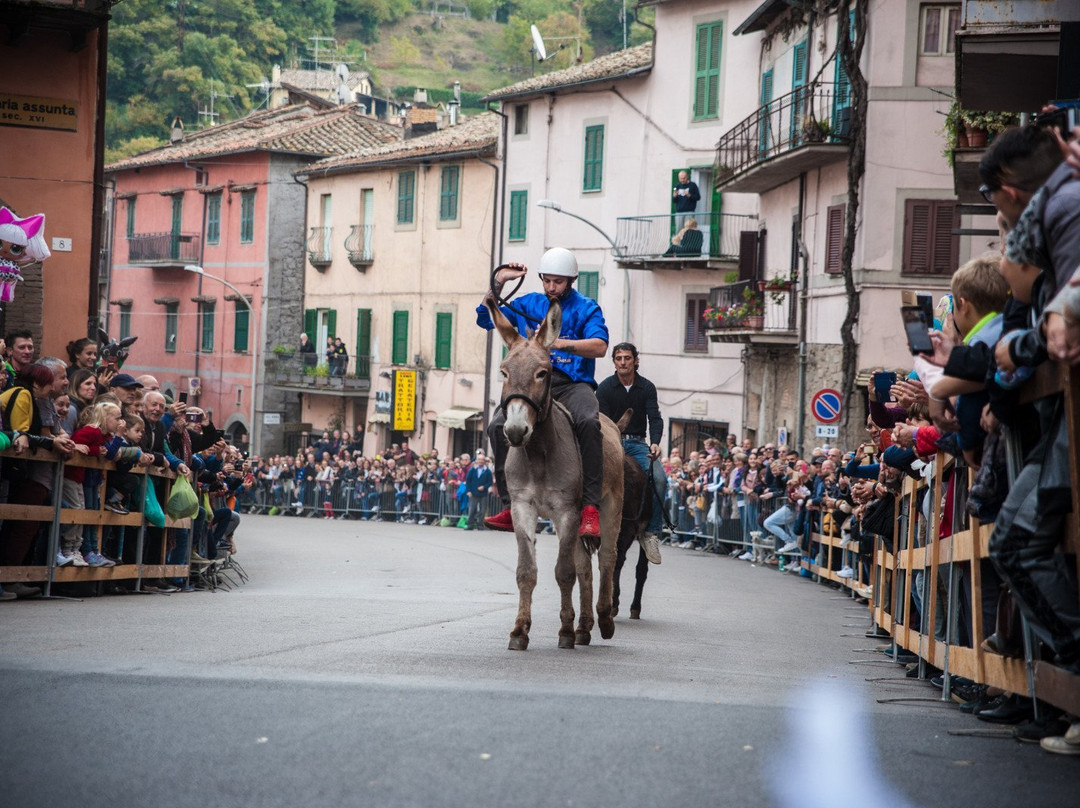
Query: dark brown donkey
[543, 475]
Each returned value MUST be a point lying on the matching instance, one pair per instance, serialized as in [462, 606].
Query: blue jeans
[780, 522]
[639, 451]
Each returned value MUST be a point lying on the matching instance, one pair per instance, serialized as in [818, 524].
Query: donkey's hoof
[582, 637]
[614, 611]
[566, 641]
[607, 627]
[519, 643]
[635, 614]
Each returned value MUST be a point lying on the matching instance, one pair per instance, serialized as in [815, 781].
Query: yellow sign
[38, 112]
[404, 406]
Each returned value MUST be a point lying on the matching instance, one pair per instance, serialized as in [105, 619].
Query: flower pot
[962, 139]
[976, 137]
[755, 322]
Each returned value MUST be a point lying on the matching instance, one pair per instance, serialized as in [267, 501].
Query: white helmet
[558, 261]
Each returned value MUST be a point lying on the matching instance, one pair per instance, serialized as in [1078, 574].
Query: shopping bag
[152, 508]
[183, 503]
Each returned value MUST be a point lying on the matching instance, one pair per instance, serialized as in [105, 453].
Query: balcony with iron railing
[320, 247]
[361, 246]
[681, 240]
[760, 312]
[806, 129]
[312, 373]
[163, 249]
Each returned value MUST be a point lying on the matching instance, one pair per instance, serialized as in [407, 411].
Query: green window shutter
[594, 158]
[213, 219]
[363, 343]
[311, 323]
[247, 217]
[331, 322]
[130, 216]
[842, 96]
[240, 328]
[444, 334]
[177, 222]
[798, 81]
[206, 331]
[448, 193]
[707, 70]
[764, 139]
[519, 215]
[406, 186]
[125, 321]
[589, 284]
[172, 311]
[400, 351]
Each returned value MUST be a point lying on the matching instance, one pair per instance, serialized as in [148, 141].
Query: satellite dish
[538, 44]
[342, 72]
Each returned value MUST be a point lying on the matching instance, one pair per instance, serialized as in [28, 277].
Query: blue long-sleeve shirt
[581, 319]
[855, 468]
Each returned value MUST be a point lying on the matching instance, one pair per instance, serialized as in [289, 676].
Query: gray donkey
[543, 475]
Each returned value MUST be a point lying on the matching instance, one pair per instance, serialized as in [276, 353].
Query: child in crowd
[102, 422]
[122, 484]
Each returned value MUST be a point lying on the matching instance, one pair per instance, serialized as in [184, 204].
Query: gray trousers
[580, 399]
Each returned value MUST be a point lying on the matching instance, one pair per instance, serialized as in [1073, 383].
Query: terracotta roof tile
[478, 134]
[295, 129]
[620, 64]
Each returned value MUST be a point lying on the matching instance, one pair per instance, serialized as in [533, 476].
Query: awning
[455, 417]
[379, 418]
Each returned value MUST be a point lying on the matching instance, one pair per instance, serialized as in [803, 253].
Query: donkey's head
[526, 373]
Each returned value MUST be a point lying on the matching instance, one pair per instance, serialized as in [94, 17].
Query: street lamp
[551, 204]
[254, 431]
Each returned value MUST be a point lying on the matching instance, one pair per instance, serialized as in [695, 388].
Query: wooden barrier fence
[54, 515]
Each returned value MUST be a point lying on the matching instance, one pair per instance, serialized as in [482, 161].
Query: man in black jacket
[628, 389]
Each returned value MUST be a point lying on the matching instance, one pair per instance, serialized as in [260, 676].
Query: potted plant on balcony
[815, 131]
[778, 286]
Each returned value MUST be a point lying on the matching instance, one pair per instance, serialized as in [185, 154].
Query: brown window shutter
[930, 246]
[917, 222]
[834, 237]
[748, 255]
[694, 333]
[946, 245]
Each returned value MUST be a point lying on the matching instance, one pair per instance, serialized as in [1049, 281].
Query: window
[707, 71]
[125, 320]
[798, 81]
[594, 158]
[177, 222]
[588, 283]
[172, 312]
[448, 193]
[930, 247]
[363, 343]
[521, 119]
[694, 332]
[241, 319]
[841, 123]
[834, 237]
[206, 327]
[213, 219]
[131, 217]
[519, 215]
[406, 181]
[444, 335]
[247, 217]
[937, 29]
[400, 351]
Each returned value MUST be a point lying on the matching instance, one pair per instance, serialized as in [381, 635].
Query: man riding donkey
[582, 340]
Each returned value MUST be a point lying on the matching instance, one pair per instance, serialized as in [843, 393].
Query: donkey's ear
[551, 327]
[509, 334]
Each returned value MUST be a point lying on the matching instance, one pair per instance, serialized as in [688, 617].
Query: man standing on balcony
[685, 197]
[627, 389]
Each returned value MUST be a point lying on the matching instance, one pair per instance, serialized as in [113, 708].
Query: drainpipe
[107, 260]
[99, 181]
[497, 255]
[804, 299]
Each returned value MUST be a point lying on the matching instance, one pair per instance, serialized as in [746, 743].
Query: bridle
[542, 410]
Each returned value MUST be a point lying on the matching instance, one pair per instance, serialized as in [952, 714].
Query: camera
[1065, 118]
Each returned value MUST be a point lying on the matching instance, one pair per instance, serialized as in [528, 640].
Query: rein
[505, 301]
[542, 412]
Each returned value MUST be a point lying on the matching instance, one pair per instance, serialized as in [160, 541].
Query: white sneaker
[77, 559]
[747, 556]
[845, 541]
[846, 572]
[790, 547]
[650, 544]
[686, 545]
[63, 560]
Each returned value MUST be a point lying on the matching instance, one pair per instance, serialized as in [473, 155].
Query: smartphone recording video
[182, 398]
[883, 382]
[917, 330]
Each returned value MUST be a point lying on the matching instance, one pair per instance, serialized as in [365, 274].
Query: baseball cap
[124, 380]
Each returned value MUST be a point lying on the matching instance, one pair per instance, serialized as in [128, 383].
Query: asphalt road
[366, 665]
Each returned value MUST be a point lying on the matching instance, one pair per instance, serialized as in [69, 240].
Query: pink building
[223, 198]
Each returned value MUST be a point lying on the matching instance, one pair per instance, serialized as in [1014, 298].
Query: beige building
[399, 254]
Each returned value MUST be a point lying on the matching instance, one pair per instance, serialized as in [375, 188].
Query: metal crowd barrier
[54, 515]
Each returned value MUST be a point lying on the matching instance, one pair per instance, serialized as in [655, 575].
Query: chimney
[177, 133]
[420, 96]
[420, 120]
[455, 104]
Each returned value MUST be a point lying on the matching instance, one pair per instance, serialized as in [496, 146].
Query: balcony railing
[746, 312]
[312, 370]
[817, 114]
[320, 247]
[714, 236]
[360, 245]
[163, 249]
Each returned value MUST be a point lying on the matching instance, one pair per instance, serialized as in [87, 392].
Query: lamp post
[551, 204]
[253, 446]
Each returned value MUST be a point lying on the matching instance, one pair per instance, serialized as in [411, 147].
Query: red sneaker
[590, 522]
[500, 521]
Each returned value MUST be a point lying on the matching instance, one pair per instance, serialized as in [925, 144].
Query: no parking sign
[825, 405]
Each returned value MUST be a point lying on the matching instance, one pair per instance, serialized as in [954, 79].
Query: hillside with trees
[207, 60]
